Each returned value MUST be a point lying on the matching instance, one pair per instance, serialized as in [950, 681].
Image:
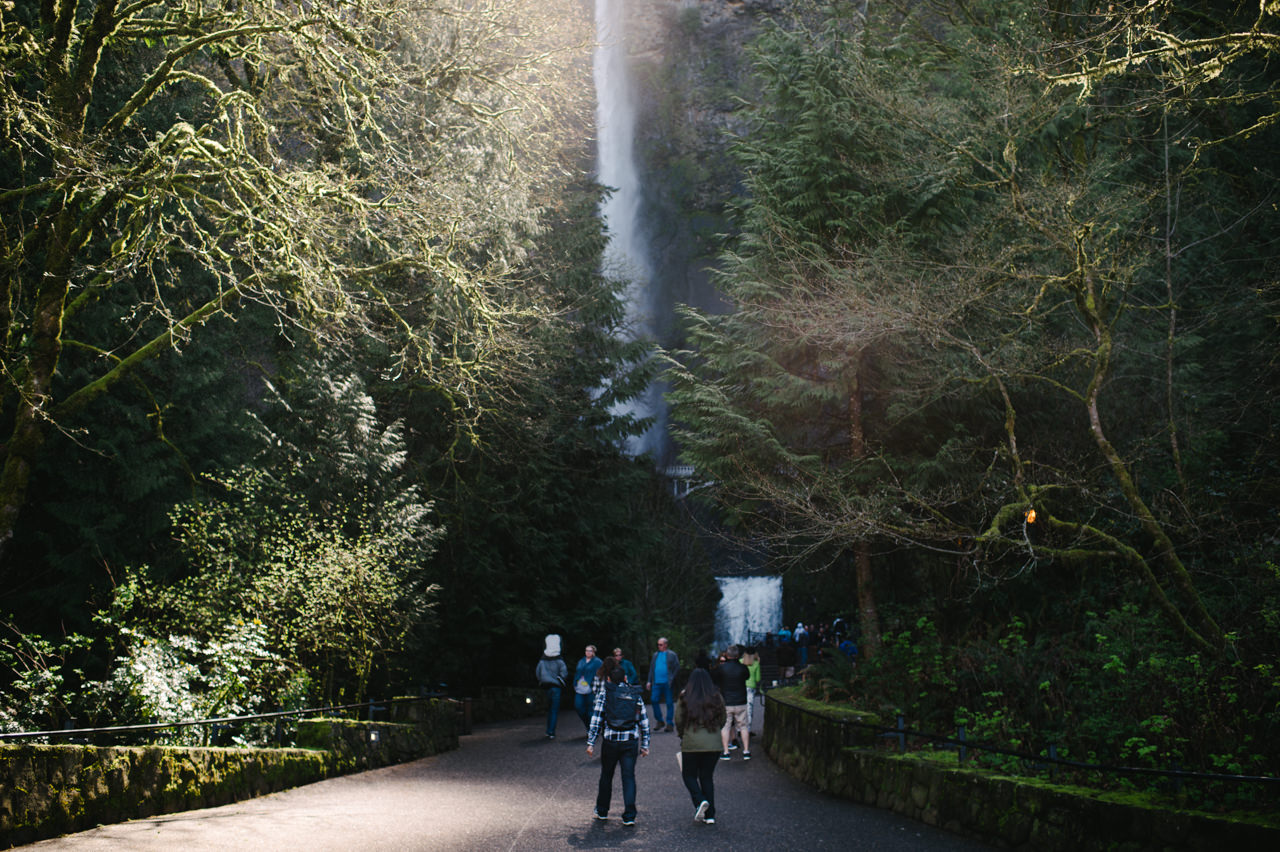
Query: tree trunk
[31, 416]
[868, 613]
[1166, 553]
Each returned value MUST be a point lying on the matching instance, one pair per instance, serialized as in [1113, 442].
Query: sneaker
[733, 745]
[711, 820]
[701, 815]
[746, 755]
[659, 728]
[724, 756]
[628, 820]
[599, 816]
[551, 736]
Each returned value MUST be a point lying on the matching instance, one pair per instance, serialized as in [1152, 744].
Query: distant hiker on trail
[699, 719]
[662, 676]
[751, 659]
[583, 689]
[619, 713]
[552, 674]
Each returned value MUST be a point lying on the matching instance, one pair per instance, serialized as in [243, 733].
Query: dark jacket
[731, 676]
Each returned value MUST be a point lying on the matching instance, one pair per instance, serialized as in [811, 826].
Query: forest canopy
[288, 294]
[1002, 353]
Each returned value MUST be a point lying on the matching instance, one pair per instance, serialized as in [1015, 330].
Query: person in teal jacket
[626, 665]
[584, 676]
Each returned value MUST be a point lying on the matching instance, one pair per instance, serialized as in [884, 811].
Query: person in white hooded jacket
[552, 675]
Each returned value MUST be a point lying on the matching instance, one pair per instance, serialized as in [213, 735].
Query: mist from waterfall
[749, 606]
[626, 256]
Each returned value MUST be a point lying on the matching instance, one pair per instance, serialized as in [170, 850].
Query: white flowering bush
[184, 679]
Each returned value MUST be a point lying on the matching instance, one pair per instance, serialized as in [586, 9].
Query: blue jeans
[584, 705]
[612, 754]
[553, 709]
[661, 690]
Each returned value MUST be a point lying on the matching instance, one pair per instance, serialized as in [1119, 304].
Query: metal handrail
[901, 733]
[225, 720]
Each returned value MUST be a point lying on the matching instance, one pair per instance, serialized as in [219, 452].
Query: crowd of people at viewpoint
[712, 712]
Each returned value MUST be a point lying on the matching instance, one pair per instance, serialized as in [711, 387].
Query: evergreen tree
[976, 318]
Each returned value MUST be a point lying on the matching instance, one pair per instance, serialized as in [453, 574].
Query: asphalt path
[509, 788]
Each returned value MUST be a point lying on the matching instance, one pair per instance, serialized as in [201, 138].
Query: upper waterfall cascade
[627, 254]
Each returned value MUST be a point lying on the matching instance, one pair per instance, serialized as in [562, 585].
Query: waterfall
[627, 255]
[748, 605]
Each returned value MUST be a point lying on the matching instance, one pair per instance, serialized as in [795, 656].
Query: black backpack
[622, 703]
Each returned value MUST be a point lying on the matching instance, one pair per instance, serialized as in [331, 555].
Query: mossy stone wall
[48, 790]
[807, 740]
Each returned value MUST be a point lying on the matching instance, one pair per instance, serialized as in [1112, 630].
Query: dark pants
[611, 755]
[583, 704]
[697, 769]
[553, 709]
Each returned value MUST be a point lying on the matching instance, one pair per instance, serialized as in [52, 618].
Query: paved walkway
[509, 788]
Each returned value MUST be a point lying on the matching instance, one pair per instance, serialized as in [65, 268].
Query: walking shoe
[628, 820]
[711, 820]
[746, 755]
[701, 814]
[599, 816]
[724, 756]
[733, 745]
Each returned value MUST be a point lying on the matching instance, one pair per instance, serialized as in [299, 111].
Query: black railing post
[963, 751]
[1053, 762]
[902, 738]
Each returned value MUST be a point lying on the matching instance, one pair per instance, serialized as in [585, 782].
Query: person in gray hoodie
[552, 675]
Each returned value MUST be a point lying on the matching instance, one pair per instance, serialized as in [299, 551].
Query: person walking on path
[552, 674]
[801, 638]
[627, 666]
[619, 713]
[699, 719]
[583, 676]
[662, 676]
[731, 677]
[751, 660]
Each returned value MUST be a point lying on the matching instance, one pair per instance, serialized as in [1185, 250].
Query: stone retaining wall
[807, 741]
[48, 790]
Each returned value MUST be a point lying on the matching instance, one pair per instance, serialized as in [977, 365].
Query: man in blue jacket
[662, 677]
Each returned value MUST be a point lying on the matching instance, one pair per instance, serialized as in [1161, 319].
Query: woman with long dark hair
[699, 717]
